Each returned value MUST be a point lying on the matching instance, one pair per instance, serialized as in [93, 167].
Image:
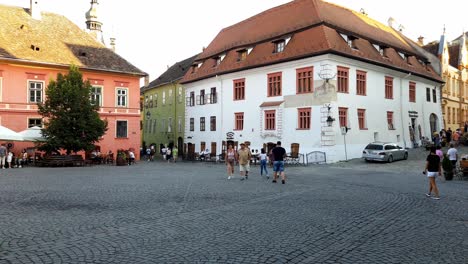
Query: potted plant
[121, 158]
[448, 168]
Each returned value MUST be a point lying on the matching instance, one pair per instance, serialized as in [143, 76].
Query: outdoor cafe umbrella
[32, 134]
[7, 134]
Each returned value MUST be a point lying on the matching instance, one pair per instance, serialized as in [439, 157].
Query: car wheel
[367, 160]
[390, 159]
[406, 156]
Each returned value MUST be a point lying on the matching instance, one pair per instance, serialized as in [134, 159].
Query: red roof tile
[313, 26]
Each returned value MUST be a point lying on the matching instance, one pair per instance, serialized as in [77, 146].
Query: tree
[72, 120]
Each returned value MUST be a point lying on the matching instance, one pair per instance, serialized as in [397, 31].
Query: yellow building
[453, 57]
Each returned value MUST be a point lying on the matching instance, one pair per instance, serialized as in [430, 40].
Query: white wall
[310, 140]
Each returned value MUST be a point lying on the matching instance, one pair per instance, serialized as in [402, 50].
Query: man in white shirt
[452, 154]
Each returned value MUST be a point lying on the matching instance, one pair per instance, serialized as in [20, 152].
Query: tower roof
[54, 40]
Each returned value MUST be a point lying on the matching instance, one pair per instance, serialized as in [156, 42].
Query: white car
[388, 152]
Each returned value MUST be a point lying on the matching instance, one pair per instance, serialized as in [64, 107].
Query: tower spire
[93, 25]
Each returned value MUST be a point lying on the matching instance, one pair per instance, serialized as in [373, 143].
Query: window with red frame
[303, 119]
[343, 79]
[270, 120]
[274, 84]
[390, 120]
[239, 89]
[412, 92]
[362, 118]
[388, 87]
[361, 82]
[239, 121]
[305, 80]
[343, 116]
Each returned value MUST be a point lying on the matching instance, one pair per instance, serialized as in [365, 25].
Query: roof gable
[54, 40]
[174, 73]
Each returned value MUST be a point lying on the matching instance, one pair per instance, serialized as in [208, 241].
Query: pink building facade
[34, 53]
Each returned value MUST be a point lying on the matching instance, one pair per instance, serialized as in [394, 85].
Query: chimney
[391, 21]
[147, 80]
[421, 41]
[35, 9]
[112, 44]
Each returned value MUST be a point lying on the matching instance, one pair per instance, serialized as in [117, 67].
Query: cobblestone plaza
[155, 212]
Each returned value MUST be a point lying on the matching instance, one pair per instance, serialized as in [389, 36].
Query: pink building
[35, 46]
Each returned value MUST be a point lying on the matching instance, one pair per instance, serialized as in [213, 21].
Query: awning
[269, 104]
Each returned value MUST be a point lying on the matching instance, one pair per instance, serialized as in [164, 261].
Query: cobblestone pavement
[190, 213]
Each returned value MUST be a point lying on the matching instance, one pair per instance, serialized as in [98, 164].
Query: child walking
[263, 163]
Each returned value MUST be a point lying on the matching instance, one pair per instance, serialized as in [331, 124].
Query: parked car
[388, 152]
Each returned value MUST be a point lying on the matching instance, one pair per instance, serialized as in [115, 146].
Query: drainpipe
[220, 100]
[401, 108]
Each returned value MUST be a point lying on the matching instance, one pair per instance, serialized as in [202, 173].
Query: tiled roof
[54, 40]
[174, 73]
[313, 26]
[432, 47]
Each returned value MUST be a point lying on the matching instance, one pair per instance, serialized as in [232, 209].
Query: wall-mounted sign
[413, 114]
[230, 135]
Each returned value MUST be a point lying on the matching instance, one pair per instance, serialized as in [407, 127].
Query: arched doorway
[180, 144]
[434, 122]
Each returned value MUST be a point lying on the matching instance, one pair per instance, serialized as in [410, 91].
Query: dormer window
[279, 46]
[380, 49]
[407, 59]
[218, 60]
[242, 55]
[196, 66]
[402, 55]
[350, 40]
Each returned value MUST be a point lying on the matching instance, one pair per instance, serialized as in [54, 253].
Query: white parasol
[32, 134]
[7, 134]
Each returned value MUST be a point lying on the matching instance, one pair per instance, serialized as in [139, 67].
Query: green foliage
[72, 122]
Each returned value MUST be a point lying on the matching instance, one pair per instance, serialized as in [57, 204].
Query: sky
[153, 35]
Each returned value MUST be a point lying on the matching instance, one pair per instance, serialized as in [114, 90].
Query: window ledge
[363, 128]
[303, 129]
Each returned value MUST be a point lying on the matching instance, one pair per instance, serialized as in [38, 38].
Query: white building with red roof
[299, 73]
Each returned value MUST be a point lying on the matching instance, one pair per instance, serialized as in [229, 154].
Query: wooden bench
[61, 161]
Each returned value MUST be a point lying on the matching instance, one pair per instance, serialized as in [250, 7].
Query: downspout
[220, 100]
[401, 108]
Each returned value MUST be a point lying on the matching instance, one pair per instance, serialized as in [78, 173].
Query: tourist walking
[439, 152]
[230, 159]
[244, 161]
[453, 155]
[278, 165]
[168, 155]
[175, 154]
[433, 168]
[263, 163]
[3, 153]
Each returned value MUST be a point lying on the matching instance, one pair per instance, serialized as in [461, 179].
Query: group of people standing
[9, 160]
[243, 157]
[448, 136]
[169, 154]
